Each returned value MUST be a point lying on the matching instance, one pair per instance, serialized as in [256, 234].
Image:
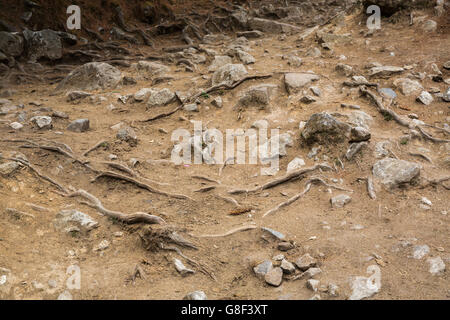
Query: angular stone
[45, 43]
[363, 288]
[294, 82]
[305, 262]
[285, 246]
[42, 122]
[324, 128]
[274, 233]
[394, 173]
[11, 44]
[295, 164]
[385, 71]
[8, 168]
[446, 95]
[274, 277]
[68, 218]
[340, 201]
[359, 134]
[437, 266]
[253, 34]
[272, 26]
[127, 134]
[196, 295]
[344, 69]
[228, 74]
[425, 97]
[311, 273]
[217, 102]
[420, 251]
[160, 97]
[142, 94]
[354, 149]
[407, 86]
[77, 95]
[287, 267]
[151, 69]
[92, 76]
[218, 62]
[181, 268]
[245, 57]
[312, 284]
[263, 268]
[79, 125]
[191, 107]
[16, 125]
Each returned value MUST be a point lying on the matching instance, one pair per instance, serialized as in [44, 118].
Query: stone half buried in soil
[274, 277]
[295, 82]
[393, 173]
[91, 76]
[324, 128]
[66, 219]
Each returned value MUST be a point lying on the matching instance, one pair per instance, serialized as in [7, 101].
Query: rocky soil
[357, 209]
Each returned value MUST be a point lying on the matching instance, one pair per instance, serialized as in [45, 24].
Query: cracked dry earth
[402, 231]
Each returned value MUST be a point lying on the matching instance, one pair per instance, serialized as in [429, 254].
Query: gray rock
[151, 69]
[354, 149]
[446, 95]
[311, 273]
[263, 268]
[91, 76]
[217, 102]
[245, 57]
[358, 134]
[312, 284]
[258, 96]
[333, 290]
[307, 99]
[387, 93]
[340, 201]
[42, 122]
[316, 90]
[420, 251]
[103, 245]
[295, 164]
[8, 168]
[181, 268]
[429, 26]
[363, 288]
[287, 267]
[45, 43]
[272, 26]
[11, 44]
[68, 38]
[324, 128]
[278, 235]
[385, 71]
[16, 125]
[69, 218]
[294, 82]
[160, 97]
[294, 61]
[192, 107]
[274, 277]
[79, 125]
[285, 246]
[394, 173]
[306, 262]
[127, 134]
[142, 94]
[407, 86]
[360, 119]
[196, 295]
[344, 69]
[425, 97]
[228, 74]
[77, 95]
[218, 62]
[437, 266]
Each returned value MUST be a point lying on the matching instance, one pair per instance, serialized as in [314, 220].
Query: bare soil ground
[35, 252]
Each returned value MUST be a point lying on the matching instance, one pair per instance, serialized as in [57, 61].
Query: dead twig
[226, 234]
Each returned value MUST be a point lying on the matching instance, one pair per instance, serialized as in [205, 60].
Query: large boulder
[295, 81]
[45, 43]
[91, 76]
[272, 26]
[393, 173]
[11, 44]
[324, 128]
[228, 74]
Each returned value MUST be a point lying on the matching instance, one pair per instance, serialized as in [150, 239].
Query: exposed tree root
[97, 145]
[286, 178]
[311, 181]
[136, 217]
[140, 184]
[226, 234]
[370, 188]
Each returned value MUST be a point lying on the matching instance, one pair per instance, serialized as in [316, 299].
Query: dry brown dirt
[33, 251]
